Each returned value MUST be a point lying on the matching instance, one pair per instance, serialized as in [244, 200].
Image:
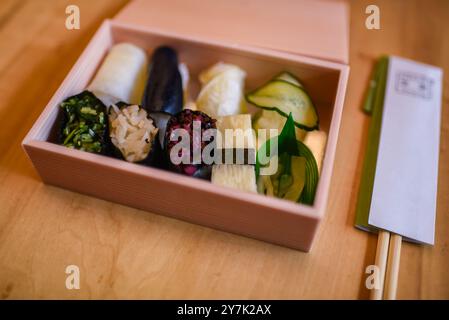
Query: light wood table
[127, 253]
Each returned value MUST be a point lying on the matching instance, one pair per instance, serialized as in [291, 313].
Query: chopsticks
[383, 241]
[388, 252]
[394, 258]
[388, 256]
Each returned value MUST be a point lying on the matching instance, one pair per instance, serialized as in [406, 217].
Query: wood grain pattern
[127, 253]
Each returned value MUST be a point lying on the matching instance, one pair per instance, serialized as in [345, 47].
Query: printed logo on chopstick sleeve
[413, 84]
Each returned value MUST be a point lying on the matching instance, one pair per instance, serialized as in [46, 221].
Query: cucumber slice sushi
[285, 98]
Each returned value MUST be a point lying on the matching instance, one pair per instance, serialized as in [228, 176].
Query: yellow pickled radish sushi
[238, 175]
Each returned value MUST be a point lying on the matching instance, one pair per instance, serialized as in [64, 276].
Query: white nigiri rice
[131, 131]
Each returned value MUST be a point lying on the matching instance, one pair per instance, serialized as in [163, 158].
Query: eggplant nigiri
[164, 90]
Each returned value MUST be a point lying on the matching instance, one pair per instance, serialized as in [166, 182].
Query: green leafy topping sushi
[84, 124]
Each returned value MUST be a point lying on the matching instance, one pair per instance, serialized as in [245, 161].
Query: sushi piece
[316, 142]
[160, 120]
[133, 133]
[185, 78]
[187, 151]
[164, 88]
[222, 90]
[285, 98]
[190, 105]
[122, 75]
[269, 119]
[288, 181]
[240, 177]
[289, 77]
[84, 123]
[295, 177]
[237, 135]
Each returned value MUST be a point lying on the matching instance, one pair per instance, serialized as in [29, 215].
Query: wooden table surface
[128, 253]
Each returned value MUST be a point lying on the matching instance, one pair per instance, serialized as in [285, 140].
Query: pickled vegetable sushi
[133, 132]
[84, 123]
[222, 90]
[121, 76]
[176, 149]
[142, 113]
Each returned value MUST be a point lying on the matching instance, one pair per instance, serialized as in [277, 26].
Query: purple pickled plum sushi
[185, 120]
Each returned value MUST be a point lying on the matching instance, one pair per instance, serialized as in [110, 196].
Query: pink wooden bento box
[308, 38]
